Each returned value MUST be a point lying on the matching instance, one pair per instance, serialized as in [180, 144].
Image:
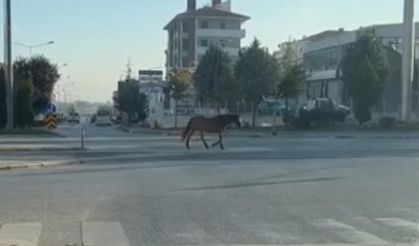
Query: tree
[34, 83]
[365, 69]
[214, 78]
[257, 73]
[44, 76]
[292, 75]
[179, 82]
[3, 107]
[131, 101]
[24, 113]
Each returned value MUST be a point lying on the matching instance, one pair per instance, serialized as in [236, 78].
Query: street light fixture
[30, 47]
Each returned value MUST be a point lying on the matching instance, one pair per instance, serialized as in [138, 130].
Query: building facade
[147, 76]
[323, 53]
[191, 33]
[153, 85]
[156, 95]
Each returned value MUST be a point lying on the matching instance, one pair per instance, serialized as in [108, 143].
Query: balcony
[222, 33]
[322, 75]
[231, 51]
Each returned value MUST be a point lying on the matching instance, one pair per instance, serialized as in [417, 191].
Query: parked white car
[73, 117]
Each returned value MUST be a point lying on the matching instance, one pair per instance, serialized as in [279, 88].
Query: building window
[185, 44]
[204, 24]
[222, 25]
[204, 43]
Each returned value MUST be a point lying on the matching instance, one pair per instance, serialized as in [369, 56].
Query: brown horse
[210, 125]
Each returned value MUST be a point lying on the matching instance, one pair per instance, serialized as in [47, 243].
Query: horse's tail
[187, 129]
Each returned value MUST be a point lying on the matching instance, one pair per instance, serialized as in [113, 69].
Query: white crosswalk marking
[25, 234]
[112, 234]
[348, 233]
[103, 234]
[400, 223]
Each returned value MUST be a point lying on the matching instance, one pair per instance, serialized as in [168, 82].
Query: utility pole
[408, 60]
[8, 63]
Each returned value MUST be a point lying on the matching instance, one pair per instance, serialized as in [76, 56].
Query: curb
[4, 150]
[39, 165]
[14, 150]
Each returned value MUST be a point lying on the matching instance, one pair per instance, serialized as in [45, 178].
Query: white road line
[24, 234]
[103, 234]
[329, 244]
[400, 223]
[349, 233]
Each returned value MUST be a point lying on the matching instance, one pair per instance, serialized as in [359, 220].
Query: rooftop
[325, 34]
[209, 12]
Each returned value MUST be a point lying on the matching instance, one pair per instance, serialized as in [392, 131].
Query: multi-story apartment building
[191, 33]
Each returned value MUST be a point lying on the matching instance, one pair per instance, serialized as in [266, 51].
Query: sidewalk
[16, 164]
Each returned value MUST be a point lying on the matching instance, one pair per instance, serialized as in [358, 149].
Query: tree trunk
[274, 130]
[253, 114]
[176, 102]
[286, 103]
[218, 108]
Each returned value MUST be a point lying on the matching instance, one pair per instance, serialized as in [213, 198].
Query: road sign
[51, 121]
[49, 109]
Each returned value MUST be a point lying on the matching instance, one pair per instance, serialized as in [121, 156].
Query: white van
[103, 117]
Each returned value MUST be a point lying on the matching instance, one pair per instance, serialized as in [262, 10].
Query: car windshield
[209, 122]
[103, 113]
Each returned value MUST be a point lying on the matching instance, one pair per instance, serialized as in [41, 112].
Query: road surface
[148, 190]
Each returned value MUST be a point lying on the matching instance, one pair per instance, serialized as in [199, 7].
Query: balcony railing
[222, 33]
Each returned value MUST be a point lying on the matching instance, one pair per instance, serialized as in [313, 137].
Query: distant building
[156, 94]
[322, 57]
[147, 76]
[190, 33]
[152, 84]
[193, 31]
[323, 53]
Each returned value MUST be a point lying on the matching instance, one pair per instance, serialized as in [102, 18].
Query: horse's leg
[216, 143]
[191, 132]
[221, 140]
[203, 140]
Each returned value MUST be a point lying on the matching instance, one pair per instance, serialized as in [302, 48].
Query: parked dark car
[318, 111]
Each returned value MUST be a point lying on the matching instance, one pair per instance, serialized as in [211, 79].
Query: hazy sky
[96, 38]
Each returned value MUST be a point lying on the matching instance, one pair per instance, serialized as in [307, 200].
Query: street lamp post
[408, 59]
[30, 47]
[8, 63]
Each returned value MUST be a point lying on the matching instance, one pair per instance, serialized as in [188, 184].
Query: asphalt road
[148, 190]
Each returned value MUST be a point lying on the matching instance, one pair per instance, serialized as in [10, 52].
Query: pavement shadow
[256, 184]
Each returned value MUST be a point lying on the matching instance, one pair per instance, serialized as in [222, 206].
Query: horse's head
[234, 120]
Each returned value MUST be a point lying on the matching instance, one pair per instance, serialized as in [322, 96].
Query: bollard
[83, 133]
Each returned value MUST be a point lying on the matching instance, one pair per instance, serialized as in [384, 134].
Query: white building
[155, 92]
[190, 33]
[322, 55]
[147, 76]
